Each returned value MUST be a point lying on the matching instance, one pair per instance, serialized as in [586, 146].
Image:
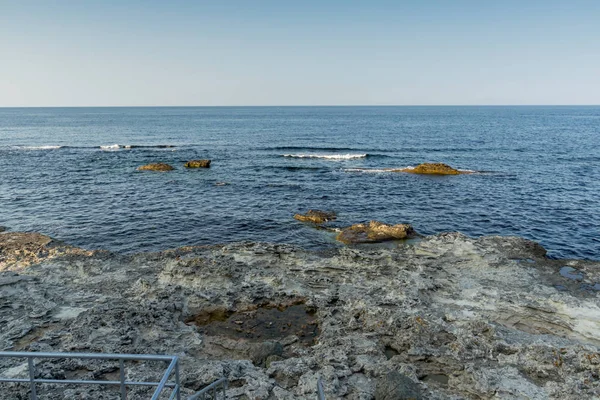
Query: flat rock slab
[448, 317]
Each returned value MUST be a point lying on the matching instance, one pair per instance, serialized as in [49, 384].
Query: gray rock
[261, 353]
[484, 314]
[395, 386]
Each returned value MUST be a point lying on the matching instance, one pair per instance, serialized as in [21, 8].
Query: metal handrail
[220, 383]
[160, 386]
[320, 391]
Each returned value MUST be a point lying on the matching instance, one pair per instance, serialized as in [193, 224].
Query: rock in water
[197, 164]
[374, 232]
[316, 216]
[156, 167]
[395, 386]
[432, 169]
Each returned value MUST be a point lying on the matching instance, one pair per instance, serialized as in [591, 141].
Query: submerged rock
[197, 164]
[156, 167]
[374, 232]
[316, 216]
[432, 169]
[445, 317]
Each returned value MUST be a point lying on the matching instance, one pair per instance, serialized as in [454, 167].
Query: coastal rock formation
[444, 317]
[432, 169]
[373, 232]
[197, 164]
[18, 250]
[156, 167]
[316, 216]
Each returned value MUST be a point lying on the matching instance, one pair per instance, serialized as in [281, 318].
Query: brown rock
[432, 169]
[156, 167]
[197, 164]
[316, 216]
[21, 249]
[374, 232]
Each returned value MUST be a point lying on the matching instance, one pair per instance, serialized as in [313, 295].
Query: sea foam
[327, 156]
[38, 147]
[112, 147]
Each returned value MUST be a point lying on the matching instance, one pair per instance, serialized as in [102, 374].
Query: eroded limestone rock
[432, 169]
[458, 317]
[316, 216]
[197, 164]
[373, 232]
[162, 167]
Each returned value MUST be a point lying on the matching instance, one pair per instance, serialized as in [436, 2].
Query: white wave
[38, 147]
[366, 170]
[327, 156]
[111, 147]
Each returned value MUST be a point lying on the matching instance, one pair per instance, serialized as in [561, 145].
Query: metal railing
[320, 391]
[122, 383]
[212, 390]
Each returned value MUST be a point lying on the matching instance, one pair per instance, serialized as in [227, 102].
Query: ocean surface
[71, 173]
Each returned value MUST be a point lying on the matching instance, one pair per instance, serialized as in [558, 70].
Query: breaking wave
[37, 147]
[327, 156]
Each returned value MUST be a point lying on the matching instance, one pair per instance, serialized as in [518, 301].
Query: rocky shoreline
[443, 317]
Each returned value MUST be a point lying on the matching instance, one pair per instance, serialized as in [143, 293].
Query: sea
[71, 173]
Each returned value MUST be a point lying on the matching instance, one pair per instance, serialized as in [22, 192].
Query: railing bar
[320, 391]
[164, 379]
[21, 380]
[122, 378]
[84, 382]
[99, 356]
[206, 390]
[31, 367]
[175, 392]
[178, 390]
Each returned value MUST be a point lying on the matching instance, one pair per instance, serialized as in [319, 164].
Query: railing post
[122, 379]
[32, 378]
[177, 380]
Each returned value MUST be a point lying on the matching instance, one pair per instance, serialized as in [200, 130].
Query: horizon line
[311, 105]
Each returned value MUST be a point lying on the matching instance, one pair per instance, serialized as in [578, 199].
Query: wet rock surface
[374, 232]
[161, 167]
[197, 164]
[316, 216]
[261, 323]
[446, 317]
[432, 169]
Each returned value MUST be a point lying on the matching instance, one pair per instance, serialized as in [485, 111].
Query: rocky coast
[439, 317]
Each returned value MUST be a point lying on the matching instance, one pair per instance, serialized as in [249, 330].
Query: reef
[432, 169]
[162, 167]
[374, 232]
[441, 317]
[197, 164]
[316, 216]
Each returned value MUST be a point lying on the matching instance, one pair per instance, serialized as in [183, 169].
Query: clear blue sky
[253, 52]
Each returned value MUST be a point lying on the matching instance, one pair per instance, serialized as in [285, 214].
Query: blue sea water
[537, 174]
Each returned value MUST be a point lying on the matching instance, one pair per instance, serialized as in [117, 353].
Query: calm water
[539, 179]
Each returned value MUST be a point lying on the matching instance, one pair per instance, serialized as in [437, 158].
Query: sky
[254, 52]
